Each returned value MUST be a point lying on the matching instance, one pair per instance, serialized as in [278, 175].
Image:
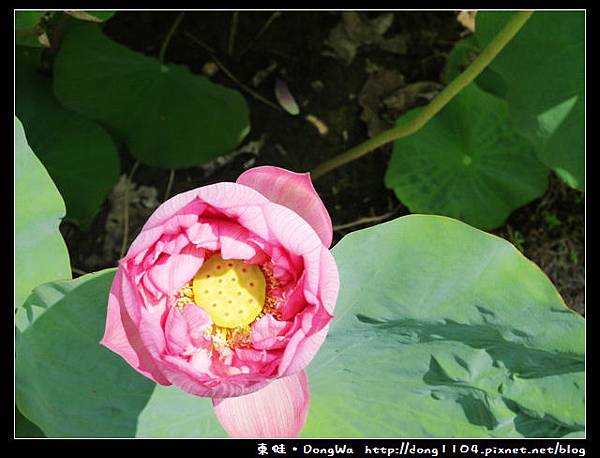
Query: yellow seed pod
[231, 291]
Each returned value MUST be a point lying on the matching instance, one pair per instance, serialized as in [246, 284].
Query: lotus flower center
[231, 291]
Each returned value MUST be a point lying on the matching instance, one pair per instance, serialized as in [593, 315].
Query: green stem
[163, 48]
[489, 53]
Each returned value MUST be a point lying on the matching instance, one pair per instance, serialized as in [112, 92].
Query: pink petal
[171, 272]
[180, 212]
[293, 233]
[146, 258]
[295, 301]
[329, 281]
[197, 322]
[203, 234]
[185, 328]
[150, 288]
[183, 375]
[129, 298]
[180, 222]
[267, 333]
[220, 195]
[322, 281]
[300, 351]
[234, 243]
[292, 190]
[176, 245]
[287, 266]
[314, 318]
[252, 361]
[151, 331]
[192, 378]
[267, 326]
[144, 240]
[277, 410]
[202, 362]
[121, 335]
[186, 203]
[176, 332]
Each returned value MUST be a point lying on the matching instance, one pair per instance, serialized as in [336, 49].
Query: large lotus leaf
[80, 156]
[442, 330]
[171, 412]
[467, 162]
[71, 386]
[40, 251]
[168, 116]
[544, 69]
[66, 382]
[24, 428]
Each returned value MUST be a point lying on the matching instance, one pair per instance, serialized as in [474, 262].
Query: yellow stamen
[246, 281]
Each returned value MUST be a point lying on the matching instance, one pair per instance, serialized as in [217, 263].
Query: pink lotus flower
[227, 293]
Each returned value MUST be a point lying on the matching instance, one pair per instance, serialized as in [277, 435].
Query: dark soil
[549, 231]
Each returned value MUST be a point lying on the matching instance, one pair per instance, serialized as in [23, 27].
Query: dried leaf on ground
[398, 44]
[467, 19]
[252, 147]
[141, 200]
[385, 96]
[403, 99]
[354, 31]
[379, 85]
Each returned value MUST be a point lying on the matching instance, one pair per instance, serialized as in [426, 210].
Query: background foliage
[541, 78]
[167, 116]
[79, 155]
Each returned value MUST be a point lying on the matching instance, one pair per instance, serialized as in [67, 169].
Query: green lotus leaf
[80, 156]
[467, 162]
[442, 330]
[40, 251]
[544, 70]
[24, 428]
[167, 116]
